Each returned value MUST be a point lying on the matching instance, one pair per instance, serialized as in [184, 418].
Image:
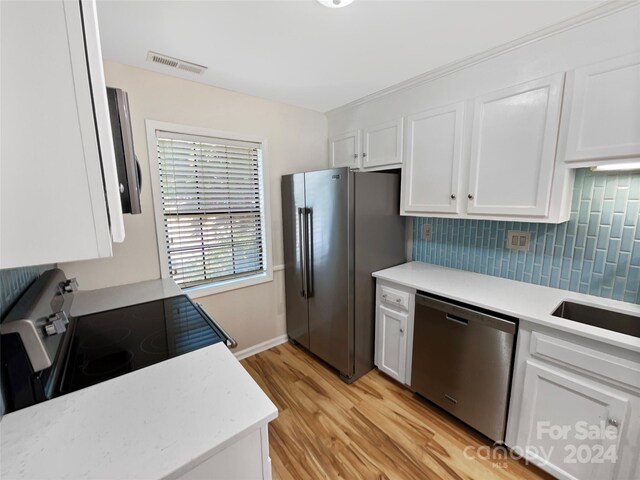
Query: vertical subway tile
[621, 198]
[632, 213]
[616, 225]
[607, 212]
[635, 254]
[597, 251]
[598, 264]
[610, 187]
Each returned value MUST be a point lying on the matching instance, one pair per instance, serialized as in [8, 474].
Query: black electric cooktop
[108, 344]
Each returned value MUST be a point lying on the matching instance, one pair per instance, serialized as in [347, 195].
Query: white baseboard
[261, 347]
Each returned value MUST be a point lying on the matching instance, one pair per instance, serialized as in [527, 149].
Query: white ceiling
[301, 53]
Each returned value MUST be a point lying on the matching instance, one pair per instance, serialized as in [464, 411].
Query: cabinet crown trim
[589, 16]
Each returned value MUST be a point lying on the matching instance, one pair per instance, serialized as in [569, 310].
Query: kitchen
[423, 319]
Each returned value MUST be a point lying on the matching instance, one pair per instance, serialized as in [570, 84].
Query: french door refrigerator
[339, 226]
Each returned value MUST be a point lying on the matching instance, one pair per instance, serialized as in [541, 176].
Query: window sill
[226, 286]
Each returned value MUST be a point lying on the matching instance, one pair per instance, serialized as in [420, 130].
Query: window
[210, 208]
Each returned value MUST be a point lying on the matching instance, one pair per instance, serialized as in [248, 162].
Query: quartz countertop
[86, 302]
[157, 422]
[528, 302]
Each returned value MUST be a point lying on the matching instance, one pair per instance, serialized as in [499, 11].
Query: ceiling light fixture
[335, 3]
[616, 166]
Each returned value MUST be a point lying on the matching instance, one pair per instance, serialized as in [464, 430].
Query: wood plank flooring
[373, 428]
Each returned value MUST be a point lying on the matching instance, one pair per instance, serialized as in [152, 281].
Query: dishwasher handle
[464, 315]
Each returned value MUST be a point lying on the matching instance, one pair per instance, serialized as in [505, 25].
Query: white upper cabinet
[602, 121]
[344, 149]
[513, 149]
[56, 138]
[432, 160]
[382, 145]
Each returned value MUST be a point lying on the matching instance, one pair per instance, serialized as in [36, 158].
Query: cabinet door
[52, 195]
[513, 149]
[603, 113]
[344, 150]
[433, 155]
[392, 342]
[557, 408]
[383, 145]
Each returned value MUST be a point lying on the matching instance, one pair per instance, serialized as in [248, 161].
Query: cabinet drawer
[586, 359]
[394, 297]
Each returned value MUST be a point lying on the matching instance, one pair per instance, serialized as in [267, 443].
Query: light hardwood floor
[373, 428]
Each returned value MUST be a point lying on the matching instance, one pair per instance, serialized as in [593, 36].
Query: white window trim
[226, 285]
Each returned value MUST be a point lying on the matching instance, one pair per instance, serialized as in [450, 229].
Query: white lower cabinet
[575, 408]
[394, 331]
[558, 409]
[246, 459]
[393, 342]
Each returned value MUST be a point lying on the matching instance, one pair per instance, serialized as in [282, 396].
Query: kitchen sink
[599, 317]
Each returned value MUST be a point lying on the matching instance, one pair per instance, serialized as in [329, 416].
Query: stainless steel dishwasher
[462, 361]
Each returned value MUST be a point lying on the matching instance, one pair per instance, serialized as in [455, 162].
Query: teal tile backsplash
[596, 252]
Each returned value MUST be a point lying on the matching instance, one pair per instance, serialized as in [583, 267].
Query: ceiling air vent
[175, 63]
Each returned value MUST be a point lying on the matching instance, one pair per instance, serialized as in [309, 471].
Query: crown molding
[601, 11]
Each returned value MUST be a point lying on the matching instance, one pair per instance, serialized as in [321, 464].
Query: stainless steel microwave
[129, 175]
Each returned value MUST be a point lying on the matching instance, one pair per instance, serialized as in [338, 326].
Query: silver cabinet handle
[453, 197]
[364, 154]
[355, 155]
[470, 197]
[401, 330]
[384, 295]
[398, 300]
[613, 422]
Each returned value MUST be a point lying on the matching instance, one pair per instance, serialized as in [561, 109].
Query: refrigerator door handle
[309, 261]
[302, 238]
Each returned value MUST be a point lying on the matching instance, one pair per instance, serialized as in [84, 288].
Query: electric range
[46, 352]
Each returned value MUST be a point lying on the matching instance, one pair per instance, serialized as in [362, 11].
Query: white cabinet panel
[392, 342]
[433, 156]
[247, 458]
[603, 111]
[344, 150]
[514, 138]
[553, 400]
[383, 145]
[52, 195]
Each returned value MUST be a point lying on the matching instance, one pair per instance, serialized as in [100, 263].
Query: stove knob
[50, 329]
[70, 285]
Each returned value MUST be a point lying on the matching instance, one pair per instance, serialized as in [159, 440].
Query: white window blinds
[212, 207]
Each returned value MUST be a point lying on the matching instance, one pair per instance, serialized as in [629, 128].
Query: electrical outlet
[426, 231]
[518, 240]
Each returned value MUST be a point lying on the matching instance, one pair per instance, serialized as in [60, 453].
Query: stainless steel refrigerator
[339, 226]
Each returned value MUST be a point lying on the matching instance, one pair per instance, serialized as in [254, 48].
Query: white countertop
[528, 302]
[152, 423]
[157, 422]
[86, 302]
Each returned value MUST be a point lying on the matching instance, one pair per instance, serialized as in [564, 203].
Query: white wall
[297, 141]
